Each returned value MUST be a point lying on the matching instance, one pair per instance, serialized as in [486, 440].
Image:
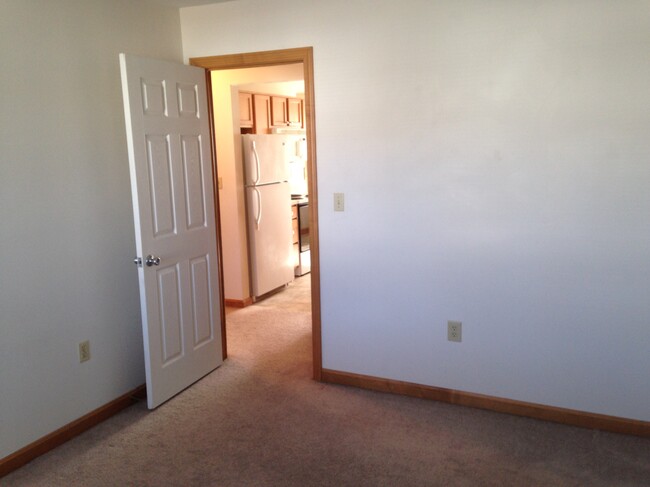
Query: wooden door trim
[217, 216]
[304, 55]
[58, 437]
[573, 417]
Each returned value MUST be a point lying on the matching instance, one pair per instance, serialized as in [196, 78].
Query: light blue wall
[494, 158]
[66, 223]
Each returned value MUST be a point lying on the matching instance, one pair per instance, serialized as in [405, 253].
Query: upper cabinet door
[294, 112]
[262, 105]
[279, 111]
[246, 110]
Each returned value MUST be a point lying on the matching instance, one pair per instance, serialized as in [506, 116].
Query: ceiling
[188, 3]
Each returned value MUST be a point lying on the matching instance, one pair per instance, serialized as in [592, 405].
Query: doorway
[269, 59]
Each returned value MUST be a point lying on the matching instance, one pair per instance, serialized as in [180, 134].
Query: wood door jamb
[305, 56]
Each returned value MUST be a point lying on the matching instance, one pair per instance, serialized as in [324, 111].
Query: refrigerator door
[269, 237]
[266, 158]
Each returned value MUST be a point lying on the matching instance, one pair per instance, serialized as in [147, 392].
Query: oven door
[304, 256]
[303, 225]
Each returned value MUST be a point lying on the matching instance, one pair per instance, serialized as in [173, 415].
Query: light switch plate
[339, 202]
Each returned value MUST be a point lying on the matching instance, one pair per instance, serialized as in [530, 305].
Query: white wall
[66, 222]
[494, 158]
[225, 96]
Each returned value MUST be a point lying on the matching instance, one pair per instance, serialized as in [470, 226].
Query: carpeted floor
[259, 420]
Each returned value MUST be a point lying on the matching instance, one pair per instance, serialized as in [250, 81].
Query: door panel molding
[168, 141]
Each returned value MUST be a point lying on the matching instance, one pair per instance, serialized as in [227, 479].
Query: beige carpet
[260, 421]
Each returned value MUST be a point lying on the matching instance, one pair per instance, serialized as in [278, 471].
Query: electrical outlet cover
[454, 331]
[84, 351]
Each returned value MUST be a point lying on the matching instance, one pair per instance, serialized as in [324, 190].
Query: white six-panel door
[168, 139]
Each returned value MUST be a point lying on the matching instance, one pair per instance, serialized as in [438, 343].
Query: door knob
[151, 260]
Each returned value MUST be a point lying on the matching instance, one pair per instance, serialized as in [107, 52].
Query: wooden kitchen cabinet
[259, 113]
[294, 223]
[246, 112]
[279, 111]
[286, 112]
[294, 112]
[262, 104]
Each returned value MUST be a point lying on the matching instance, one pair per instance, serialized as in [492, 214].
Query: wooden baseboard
[238, 303]
[518, 408]
[69, 431]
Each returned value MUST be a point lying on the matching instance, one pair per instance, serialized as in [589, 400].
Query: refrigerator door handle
[257, 163]
[258, 217]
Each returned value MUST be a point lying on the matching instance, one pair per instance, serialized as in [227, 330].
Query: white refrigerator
[268, 210]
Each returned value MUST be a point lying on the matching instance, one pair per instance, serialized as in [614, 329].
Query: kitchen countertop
[300, 201]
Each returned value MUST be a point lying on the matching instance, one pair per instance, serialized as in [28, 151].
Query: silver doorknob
[150, 260]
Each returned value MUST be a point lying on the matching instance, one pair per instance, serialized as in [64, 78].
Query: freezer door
[269, 237]
[266, 158]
